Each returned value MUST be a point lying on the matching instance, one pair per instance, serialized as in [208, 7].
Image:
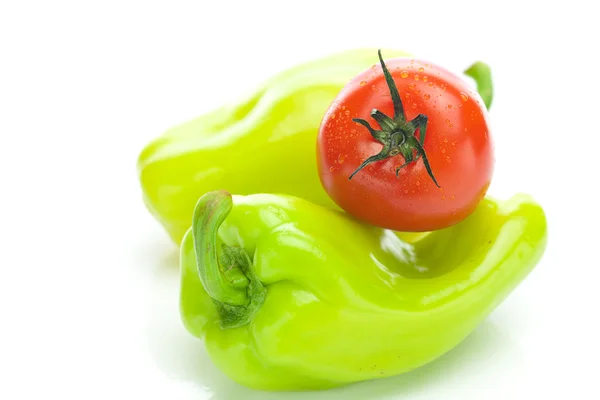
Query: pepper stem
[226, 272]
[482, 75]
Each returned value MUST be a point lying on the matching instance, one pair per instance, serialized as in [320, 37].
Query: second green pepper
[265, 143]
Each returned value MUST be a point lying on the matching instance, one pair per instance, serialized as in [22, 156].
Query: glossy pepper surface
[264, 143]
[289, 295]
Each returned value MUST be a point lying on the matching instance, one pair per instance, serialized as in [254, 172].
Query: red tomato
[394, 188]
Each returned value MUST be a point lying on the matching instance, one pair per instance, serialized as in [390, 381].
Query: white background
[88, 280]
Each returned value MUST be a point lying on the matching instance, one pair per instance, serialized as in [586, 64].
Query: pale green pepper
[288, 295]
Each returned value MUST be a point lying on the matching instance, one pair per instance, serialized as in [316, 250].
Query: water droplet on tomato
[451, 125]
[447, 121]
[417, 77]
[341, 158]
[414, 106]
[331, 168]
[421, 69]
[430, 83]
[460, 106]
[464, 96]
[332, 116]
[404, 74]
[347, 112]
[425, 78]
[418, 183]
[374, 87]
[411, 86]
[407, 95]
[443, 150]
[343, 107]
[363, 83]
[444, 197]
[426, 97]
[452, 197]
[445, 140]
[406, 191]
[450, 106]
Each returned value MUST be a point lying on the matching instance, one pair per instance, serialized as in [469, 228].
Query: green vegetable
[265, 143]
[289, 295]
[482, 75]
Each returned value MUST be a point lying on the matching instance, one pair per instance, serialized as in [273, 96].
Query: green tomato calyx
[397, 135]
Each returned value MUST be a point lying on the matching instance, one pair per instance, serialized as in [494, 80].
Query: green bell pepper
[289, 295]
[264, 143]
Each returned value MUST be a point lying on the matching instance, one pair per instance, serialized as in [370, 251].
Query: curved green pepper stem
[225, 273]
[482, 74]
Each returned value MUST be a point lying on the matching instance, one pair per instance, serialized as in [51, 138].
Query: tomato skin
[458, 145]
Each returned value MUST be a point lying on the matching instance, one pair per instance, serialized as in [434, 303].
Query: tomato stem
[396, 100]
[396, 134]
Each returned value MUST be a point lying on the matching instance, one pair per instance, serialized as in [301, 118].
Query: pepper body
[264, 143]
[346, 302]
